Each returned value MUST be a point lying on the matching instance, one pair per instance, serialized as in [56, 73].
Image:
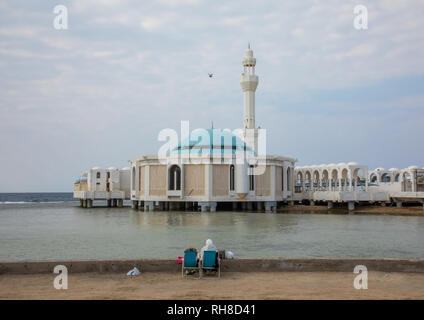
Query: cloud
[152, 23]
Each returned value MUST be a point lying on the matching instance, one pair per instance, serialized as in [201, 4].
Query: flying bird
[210, 75]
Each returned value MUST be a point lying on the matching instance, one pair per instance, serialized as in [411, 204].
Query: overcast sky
[98, 93]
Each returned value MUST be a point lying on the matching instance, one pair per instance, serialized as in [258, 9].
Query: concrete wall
[81, 186]
[115, 179]
[236, 265]
[386, 187]
[94, 183]
[141, 180]
[194, 180]
[157, 180]
[125, 181]
[278, 181]
[263, 183]
[221, 180]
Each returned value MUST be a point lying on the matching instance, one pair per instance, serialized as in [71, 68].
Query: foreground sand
[237, 285]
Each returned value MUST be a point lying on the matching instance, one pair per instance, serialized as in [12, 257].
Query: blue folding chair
[210, 261]
[190, 261]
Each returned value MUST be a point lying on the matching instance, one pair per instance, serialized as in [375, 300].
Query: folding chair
[190, 261]
[210, 261]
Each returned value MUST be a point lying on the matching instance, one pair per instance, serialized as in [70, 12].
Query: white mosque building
[218, 169]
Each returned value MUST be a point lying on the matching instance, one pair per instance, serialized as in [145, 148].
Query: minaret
[249, 83]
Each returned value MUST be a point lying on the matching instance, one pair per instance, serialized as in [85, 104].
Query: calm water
[36, 197]
[65, 231]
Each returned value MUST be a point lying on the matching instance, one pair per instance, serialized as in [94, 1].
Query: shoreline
[243, 265]
[364, 209]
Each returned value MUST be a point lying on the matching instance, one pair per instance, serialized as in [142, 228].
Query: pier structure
[109, 185]
[352, 184]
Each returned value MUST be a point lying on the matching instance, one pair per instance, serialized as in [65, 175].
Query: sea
[52, 226]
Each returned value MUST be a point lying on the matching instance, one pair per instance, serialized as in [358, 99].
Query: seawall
[236, 265]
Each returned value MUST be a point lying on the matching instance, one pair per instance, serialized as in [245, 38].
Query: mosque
[214, 169]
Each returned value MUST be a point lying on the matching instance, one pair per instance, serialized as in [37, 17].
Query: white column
[208, 181]
[292, 182]
[413, 174]
[137, 179]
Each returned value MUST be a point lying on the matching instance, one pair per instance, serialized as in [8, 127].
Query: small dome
[341, 164]
[413, 167]
[352, 164]
[95, 168]
[126, 168]
[379, 169]
[111, 168]
[393, 169]
[332, 165]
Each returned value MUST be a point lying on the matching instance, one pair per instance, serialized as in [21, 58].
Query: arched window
[373, 177]
[251, 179]
[98, 175]
[282, 178]
[232, 177]
[385, 177]
[133, 178]
[174, 178]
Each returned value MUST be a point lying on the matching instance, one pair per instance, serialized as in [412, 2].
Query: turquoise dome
[211, 141]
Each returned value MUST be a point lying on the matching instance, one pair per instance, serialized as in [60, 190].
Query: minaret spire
[249, 82]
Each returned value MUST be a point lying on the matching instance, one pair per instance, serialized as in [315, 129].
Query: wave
[13, 202]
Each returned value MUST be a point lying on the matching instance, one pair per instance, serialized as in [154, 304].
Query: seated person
[208, 247]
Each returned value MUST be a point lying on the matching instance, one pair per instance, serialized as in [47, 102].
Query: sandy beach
[235, 285]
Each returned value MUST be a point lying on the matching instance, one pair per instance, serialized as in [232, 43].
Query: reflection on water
[64, 231]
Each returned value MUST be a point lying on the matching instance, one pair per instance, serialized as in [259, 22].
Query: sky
[99, 93]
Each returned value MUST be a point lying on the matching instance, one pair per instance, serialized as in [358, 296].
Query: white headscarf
[209, 243]
[208, 246]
